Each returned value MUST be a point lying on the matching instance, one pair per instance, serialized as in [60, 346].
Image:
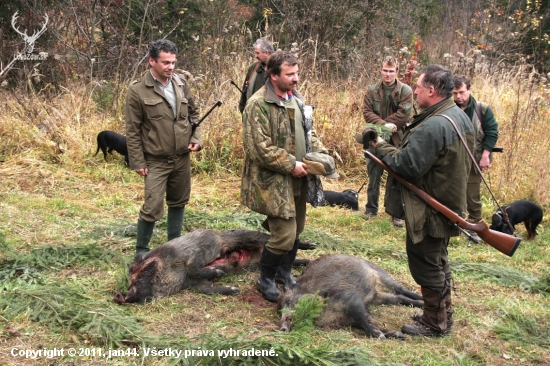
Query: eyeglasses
[386, 71]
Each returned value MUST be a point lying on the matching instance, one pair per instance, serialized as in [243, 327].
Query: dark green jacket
[261, 78]
[433, 158]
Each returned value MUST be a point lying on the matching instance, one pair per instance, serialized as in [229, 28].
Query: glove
[366, 136]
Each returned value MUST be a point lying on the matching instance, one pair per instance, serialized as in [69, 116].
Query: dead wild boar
[193, 261]
[351, 285]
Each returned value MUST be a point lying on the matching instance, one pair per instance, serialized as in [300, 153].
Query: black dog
[108, 141]
[519, 211]
[346, 199]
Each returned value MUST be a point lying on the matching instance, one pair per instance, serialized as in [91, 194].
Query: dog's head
[351, 192]
[498, 224]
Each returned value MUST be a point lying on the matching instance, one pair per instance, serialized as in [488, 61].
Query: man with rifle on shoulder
[432, 157]
[486, 128]
[256, 75]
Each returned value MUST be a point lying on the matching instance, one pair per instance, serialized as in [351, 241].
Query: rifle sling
[478, 169]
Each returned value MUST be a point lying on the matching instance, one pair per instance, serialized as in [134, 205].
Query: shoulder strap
[479, 113]
[477, 168]
[252, 73]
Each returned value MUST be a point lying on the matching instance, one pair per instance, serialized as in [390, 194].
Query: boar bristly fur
[351, 285]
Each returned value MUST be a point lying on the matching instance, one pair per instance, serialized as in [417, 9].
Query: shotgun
[194, 124]
[502, 242]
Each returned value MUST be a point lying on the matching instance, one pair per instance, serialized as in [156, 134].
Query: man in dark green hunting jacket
[277, 134]
[432, 157]
[160, 138]
[486, 128]
[388, 103]
[256, 75]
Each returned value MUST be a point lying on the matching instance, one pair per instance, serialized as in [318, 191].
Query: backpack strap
[479, 113]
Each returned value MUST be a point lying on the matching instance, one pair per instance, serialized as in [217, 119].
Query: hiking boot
[433, 322]
[420, 329]
[397, 222]
[367, 215]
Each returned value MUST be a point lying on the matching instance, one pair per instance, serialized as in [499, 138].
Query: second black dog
[108, 141]
[519, 211]
[346, 199]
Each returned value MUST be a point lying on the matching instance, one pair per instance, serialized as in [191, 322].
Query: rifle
[236, 86]
[502, 242]
[194, 124]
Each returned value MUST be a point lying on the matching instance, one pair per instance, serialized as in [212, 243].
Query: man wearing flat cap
[278, 134]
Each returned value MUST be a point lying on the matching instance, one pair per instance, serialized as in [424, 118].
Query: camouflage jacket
[151, 128]
[434, 159]
[268, 135]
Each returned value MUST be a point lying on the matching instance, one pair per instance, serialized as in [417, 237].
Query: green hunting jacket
[268, 135]
[433, 158]
[151, 128]
[374, 113]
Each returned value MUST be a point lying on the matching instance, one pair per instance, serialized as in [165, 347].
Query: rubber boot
[268, 267]
[433, 322]
[284, 272]
[144, 233]
[174, 222]
[448, 309]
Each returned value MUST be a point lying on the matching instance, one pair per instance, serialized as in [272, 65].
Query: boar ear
[149, 267]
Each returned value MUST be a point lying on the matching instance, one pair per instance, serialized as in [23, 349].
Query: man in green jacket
[388, 103]
[159, 136]
[486, 128]
[256, 75]
[277, 134]
[434, 158]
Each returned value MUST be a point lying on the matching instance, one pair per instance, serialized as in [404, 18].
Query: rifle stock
[502, 242]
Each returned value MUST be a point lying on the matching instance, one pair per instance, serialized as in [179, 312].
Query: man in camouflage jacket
[277, 134]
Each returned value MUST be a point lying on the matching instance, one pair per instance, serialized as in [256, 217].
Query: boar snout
[286, 323]
[119, 298]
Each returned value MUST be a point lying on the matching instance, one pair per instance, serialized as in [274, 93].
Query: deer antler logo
[29, 40]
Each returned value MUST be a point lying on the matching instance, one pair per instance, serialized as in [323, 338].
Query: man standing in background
[388, 103]
[256, 76]
[486, 129]
[160, 137]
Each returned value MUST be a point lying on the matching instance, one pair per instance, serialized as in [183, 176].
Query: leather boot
[284, 272]
[174, 222]
[433, 322]
[448, 308]
[268, 267]
[144, 233]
